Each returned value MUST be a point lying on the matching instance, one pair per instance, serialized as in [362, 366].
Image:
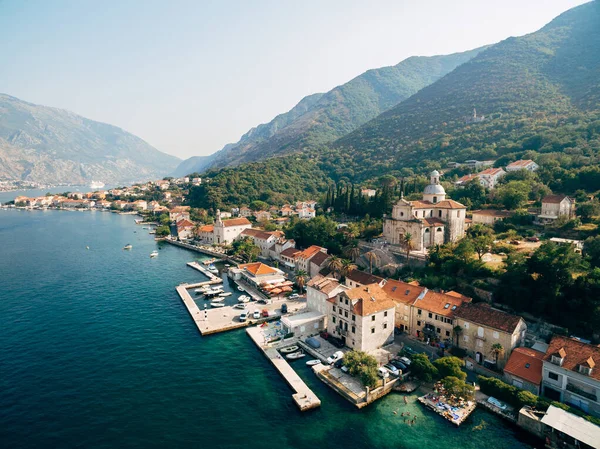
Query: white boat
[240, 288]
[244, 298]
[217, 304]
[239, 306]
[218, 299]
[313, 362]
[154, 253]
[200, 290]
[213, 269]
[128, 246]
[295, 355]
[224, 294]
[213, 292]
[152, 232]
[289, 349]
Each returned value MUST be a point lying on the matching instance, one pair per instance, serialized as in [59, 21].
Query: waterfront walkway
[303, 396]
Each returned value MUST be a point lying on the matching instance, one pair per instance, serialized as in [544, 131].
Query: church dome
[434, 189]
[435, 173]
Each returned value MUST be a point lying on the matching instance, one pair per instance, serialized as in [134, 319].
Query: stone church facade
[433, 220]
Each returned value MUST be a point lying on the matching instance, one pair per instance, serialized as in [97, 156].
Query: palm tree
[334, 264]
[352, 251]
[371, 256]
[457, 330]
[347, 267]
[301, 276]
[407, 242]
[497, 351]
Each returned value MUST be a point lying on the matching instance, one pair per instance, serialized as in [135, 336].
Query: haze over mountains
[53, 146]
[321, 118]
[539, 93]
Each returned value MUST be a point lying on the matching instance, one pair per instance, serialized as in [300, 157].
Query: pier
[204, 271]
[303, 396]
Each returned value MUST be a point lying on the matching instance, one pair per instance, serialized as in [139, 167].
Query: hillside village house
[524, 369]
[527, 164]
[490, 177]
[245, 212]
[357, 278]
[571, 374]
[302, 259]
[288, 257]
[489, 216]
[223, 232]
[319, 290]
[306, 213]
[362, 317]
[577, 245]
[262, 215]
[271, 243]
[369, 193]
[483, 326]
[140, 205]
[179, 212]
[287, 211]
[185, 229]
[433, 220]
[555, 207]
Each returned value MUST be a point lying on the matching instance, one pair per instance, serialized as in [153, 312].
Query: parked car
[383, 373]
[244, 316]
[256, 315]
[514, 242]
[409, 350]
[338, 363]
[336, 342]
[294, 296]
[405, 360]
[337, 355]
[533, 239]
[398, 364]
[284, 308]
[392, 369]
[324, 335]
[265, 313]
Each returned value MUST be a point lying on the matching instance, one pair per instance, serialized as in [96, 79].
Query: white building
[526, 164]
[556, 206]
[319, 290]
[489, 178]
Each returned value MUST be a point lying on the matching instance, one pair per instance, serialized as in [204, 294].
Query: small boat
[213, 269]
[213, 292]
[154, 253]
[289, 349]
[218, 299]
[295, 355]
[313, 362]
[240, 288]
[200, 290]
[217, 304]
[227, 265]
[224, 294]
[128, 246]
[244, 298]
[152, 232]
[239, 306]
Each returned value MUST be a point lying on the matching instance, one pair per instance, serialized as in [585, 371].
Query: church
[433, 220]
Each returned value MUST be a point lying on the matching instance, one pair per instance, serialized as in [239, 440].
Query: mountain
[322, 118]
[536, 96]
[54, 146]
[533, 91]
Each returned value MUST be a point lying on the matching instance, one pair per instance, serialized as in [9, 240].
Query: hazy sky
[190, 76]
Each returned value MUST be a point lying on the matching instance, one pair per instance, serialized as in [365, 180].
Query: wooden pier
[303, 396]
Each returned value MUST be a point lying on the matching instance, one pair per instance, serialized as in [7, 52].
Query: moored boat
[295, 355]
[241, 289]
[224, 294]
[289, 349]
[217, 304]
[218, 299]
[244, 298]
[213, 269]
[313, 362]
[128, 246]
[154, 253]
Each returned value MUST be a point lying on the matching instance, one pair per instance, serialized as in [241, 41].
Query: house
[571, 374]
[524, 369]
[206, 234]
[306, 213]
[287, 211]
[489, 216]
[404, 295]
[431, 221]
[565, 430]
[226, 231]
[460, 182]
[302, 259]
[556, 206]
[319, 290]
[317, 262]
[245, 212]
[196, 181]
[185, 229]
[280, 245]
[288, 257]
[576, 244]
[179, 212]
[362, 317]
[304, 324]
[527, 164]
[483, 327]
[225, 214]
[258, 274]
[262, 215]
[369, 193]
[490, 177]
[140, 205]
[274, 210]
[357, 278]
[263, 239]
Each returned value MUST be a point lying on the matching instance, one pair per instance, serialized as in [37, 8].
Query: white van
[383, 373]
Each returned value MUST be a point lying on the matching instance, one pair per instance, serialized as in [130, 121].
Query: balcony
[341, 331]
[478, 337]
[581, 392]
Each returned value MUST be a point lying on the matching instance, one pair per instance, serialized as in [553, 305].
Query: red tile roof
[258, 268]
[440, 303]
[319, 258]
[523, 163]
[309, 252]
[369, 299]
[575, 353]
[553, 199]
[485, 315]
[363, 277]
[290, 252]
[493, 213]
[402, 291]
[526, 364]
[445, 204]
[491, 171]
[432, 221]
[236, 222]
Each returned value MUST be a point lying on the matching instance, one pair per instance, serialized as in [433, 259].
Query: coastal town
[367, 330]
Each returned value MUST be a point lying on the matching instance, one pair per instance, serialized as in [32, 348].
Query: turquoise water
[97, 351]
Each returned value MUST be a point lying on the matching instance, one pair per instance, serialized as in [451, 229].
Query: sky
[189, 76]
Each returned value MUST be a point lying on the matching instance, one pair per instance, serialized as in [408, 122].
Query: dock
[303, 396]
[456, 415]
[204, 271]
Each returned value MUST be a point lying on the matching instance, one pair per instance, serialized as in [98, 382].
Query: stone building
[431, 221]
[556, 206]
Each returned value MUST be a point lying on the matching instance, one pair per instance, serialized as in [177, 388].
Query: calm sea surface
[97, 351]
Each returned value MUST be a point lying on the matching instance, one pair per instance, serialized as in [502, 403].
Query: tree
[482, 244]
[497, 350]
[362, 365]
[458, 387]
[514, 194]
[591, 250]
[450, 366]
[347, 267]
[163, 231]
[352, 251]
[258, 205]
[422, 368]
[301, 277]
[334, 264]
[464, 250]
[407, 243]
[245, 248]
[371, 257]
[457, 331]
[588, 210]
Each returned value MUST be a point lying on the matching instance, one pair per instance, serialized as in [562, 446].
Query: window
[439, 230]
[353, 317]
[418, 323]
[402, 214]
[385, 313]
[438, 330]
[353, 330]
[334, 308]
[385, 325]
[439, 213]
[372, 330]
[346, 314]
[585, 370]
[557, 360]
[552, 375]
[346, 302]
[341, 312]
[447, 333]
[426, 230]
[480, 331]
[341, 300]
[496, 334]
[480, 343]
[419, 312]
[430, 315]
[466, 338]
[333, 319]
[466, 325]
[373, 318]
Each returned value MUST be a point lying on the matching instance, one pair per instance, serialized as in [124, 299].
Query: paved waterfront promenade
[304, 397]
